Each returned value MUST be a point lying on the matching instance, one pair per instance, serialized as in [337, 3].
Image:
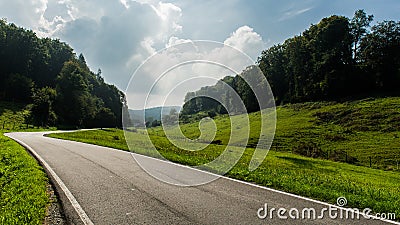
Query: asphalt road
[105, 186]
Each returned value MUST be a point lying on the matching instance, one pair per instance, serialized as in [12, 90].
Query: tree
[99, 77]
[298, 71]
[104, 118]
[42, 111]
[18, 88]
[329, 43]
[58, 54]
[358, 25]
[272, 63]
[113, 98]
[246, 92]
[380, 55]
[75, 104]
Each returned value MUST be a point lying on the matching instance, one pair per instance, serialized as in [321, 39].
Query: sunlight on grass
[362, 132]
[23, 183]
[319, 179]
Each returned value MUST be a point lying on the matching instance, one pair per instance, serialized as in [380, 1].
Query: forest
[337, 59]
[56, 85]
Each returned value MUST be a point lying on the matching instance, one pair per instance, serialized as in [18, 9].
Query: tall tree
[359, 24]
[380, 55]
[273, 62]
[75, 105]
[42, 111]
[330, 42]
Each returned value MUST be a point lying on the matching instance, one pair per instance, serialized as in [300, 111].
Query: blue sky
[118, 35]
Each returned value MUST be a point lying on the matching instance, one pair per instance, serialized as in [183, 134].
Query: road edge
[58, 184]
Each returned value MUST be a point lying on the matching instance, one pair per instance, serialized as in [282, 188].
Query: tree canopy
[58, 85]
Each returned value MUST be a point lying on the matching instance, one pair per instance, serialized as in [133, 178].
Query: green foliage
[18, 88]
[13, 116]
[380, 56]
[74, 103]
[32, 68]
[23, 183]
[359, 24]
[42, 112]
[24, 53]
[221, 98]
[320, 65]
[316, 65]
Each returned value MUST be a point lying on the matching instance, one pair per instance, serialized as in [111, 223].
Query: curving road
[99, 185]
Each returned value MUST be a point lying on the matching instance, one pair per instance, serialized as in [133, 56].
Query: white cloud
[294, 12]
[25, 13]
[192, 65]
[147, 45]
[246, 40]
[42, 5]
[118, 35]
[169, 14]
[175, 41]
[217, 60]
[124, 3]
[166, 10]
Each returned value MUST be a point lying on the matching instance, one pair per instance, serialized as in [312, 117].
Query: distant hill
[151, 114]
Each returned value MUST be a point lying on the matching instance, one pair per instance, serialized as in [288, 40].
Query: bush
[309, 149]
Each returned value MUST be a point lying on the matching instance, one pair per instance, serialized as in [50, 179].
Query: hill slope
[364, 132]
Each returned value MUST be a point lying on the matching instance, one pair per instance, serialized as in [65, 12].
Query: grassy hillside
[23, 193]
[371, 129]
[367, 131]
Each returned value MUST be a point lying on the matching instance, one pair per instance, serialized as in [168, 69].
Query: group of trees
[57, 85]
[227, 95]
[338, 57]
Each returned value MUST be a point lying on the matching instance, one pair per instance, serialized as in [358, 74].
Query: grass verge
[23, 183]
[23, 195]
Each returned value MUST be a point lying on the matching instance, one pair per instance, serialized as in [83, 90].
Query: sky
[118, 36]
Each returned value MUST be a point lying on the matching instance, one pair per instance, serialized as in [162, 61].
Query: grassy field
[23, 183]
[372, 130]
[367, 131]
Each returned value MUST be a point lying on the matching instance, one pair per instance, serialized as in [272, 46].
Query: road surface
[99, 185]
